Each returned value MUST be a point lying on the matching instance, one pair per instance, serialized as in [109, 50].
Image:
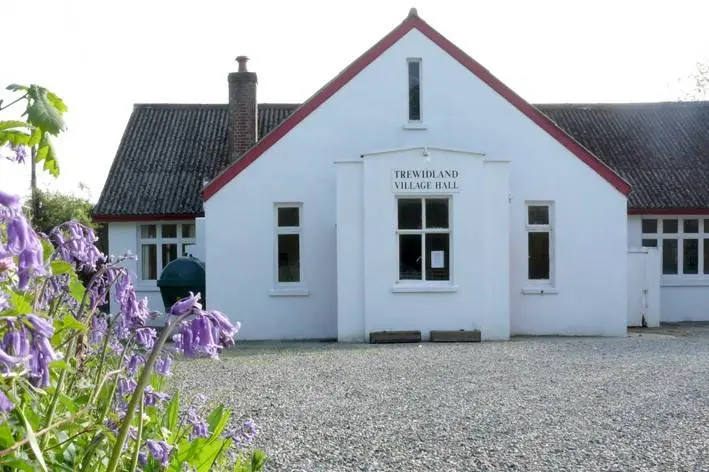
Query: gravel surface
[548, 404]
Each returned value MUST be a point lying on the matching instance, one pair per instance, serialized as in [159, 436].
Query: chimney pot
[242, 60]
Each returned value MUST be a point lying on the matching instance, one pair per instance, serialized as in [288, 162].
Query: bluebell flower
[153, 398]
[244, 435]
[146, 337]
[160, 450]
[186, 305]
[126, 386]
[41, 354]
[40, 326]
[5, 403]
[163, 365]
[10, 201]
[135, 361]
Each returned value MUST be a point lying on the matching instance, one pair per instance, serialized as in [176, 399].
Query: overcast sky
[102, 57]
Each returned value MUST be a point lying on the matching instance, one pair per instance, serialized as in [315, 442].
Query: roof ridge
[208, 105]
[625, 104]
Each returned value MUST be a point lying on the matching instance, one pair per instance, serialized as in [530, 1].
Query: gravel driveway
[638, 403]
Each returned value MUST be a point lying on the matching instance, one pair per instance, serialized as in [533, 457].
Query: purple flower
[160, 450]
[186, 306]
[126, 386]
[244, 435]
[10, 201]
[15, 341]
[145, 337]
[162, 366]
[42, 353]
[75, 244]
[5, 403]
[20, 153]
[99, 328]
[142, 458]
[153, 398]
[8, 362]
[135, 361]
[40, 326]
[224, 331]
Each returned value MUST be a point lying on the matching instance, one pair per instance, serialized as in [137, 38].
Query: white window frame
[423, 232]
[408, 97]
[278, 230]
[158, 241]
[538, 228]
[680, 236]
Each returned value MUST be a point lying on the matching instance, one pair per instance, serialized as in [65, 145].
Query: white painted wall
[123, 237]
[368, 114]
[644, 296]
[683, 298]
[477, 295]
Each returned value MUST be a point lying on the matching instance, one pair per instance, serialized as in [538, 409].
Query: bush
[81, 390]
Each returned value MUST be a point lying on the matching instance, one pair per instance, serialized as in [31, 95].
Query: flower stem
[138, 439]
[137, 394]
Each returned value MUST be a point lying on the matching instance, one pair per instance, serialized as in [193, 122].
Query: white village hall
[415, 191]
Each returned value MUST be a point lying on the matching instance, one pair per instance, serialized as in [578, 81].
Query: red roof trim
[156, 217]
[668, 211]
[411, 22]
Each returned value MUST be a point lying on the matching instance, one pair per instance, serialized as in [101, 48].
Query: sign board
[425, 180]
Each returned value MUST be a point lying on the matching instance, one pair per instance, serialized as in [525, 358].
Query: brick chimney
[243, 110]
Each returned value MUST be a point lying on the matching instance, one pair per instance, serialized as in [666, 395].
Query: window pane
[436, 213]
[169, 231]
[690, 260]
[188, 230]
[409, 213]
[706, 256]
[289, 258]
[538, 246]
[706, 226]
[691, 226]
[669, 256]
[169, 254]
[149, 262]
[409, 257]
[438, 256]
[288, 216]
[649, 226]
[147, 231]
[538, 214]
[669, 226]
[187, 249]
[414, 91]
[649, 242]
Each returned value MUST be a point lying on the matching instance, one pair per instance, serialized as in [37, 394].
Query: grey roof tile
[661, 149]
[166, 153]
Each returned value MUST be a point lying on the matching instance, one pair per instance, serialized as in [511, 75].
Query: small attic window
[414, 66]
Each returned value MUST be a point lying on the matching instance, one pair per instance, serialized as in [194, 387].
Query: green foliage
[44, 118]
[54, 208]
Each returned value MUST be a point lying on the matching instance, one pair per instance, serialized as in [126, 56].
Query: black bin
[179, 278]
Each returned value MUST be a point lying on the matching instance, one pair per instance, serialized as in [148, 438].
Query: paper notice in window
[438, 260]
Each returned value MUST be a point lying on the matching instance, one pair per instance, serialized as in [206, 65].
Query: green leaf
[14, 137]
[69, 322]
[47, 249]
[17, 463]
[91, 450]
[171, 414]
[32, 439]
[57, 102]
[58, 364]
[46, 153]
[42, 111]
[6, 437]
[258, 460]
[61, 267]
[21, 303]
[36, 137]
[16, 87]
[76, 289]
[10, 124]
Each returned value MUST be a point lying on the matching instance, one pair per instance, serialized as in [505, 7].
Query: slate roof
[166, 152]
[661, 149]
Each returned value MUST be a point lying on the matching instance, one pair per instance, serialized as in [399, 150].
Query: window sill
[685, 283]
[540, 291]
[146, 288]
[289, 292]
[415, 126]
[424, 288]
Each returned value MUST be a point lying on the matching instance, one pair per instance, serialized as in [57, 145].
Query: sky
[102, 57]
